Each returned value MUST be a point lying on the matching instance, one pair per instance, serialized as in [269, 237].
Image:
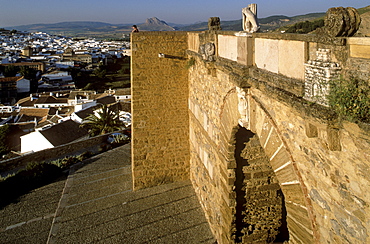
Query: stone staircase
[97, 204]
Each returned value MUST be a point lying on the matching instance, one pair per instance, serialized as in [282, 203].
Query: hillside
[365, 22]
[77, 29]
[364, 27]
[267, 24]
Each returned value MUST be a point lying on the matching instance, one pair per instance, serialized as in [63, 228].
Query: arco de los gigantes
[248, 118]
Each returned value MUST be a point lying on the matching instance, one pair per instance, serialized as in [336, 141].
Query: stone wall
[160, 120]
[212, 164]
[298, 139]
[319, 163]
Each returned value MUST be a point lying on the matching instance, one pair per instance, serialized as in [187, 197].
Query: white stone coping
[364, 41]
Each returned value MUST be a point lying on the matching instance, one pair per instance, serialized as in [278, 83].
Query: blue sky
[21, 12]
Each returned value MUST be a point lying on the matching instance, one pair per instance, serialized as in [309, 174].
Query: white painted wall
[33, 142]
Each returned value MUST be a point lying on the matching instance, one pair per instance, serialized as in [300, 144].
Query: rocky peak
[155, 24]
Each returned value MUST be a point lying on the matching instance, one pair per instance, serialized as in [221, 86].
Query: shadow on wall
[260, 209]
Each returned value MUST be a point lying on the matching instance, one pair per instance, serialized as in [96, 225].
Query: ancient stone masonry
[294, 169]
[160, 145]
[318, 74]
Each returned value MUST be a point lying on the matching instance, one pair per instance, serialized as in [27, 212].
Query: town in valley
[52, 83]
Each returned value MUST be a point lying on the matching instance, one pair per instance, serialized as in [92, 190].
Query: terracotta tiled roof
[65, 110]
[26, 102]
[51, 120]
[86, 112]
[73, 94]
[50, 99]
[35, 112]
[106, 100]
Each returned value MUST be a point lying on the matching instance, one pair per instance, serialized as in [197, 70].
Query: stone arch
[256, 118]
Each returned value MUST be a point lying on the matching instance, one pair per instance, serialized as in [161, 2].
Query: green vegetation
[305, 27]
[33, 176]
[106, 120]
[115, 74]
[190, 63]
[363, 10]
[351, 99]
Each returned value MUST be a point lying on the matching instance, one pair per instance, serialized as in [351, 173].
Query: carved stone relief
[242, 107]
[341, 22]
[318, 74]
[208, 51]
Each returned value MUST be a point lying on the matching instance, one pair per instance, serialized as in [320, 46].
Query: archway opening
[260, 214]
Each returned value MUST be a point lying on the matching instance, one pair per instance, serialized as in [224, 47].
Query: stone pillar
[160, 119]
[214, 23]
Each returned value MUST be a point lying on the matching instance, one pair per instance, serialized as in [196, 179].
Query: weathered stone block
[266, 129]
[273, 144]
[280, 158]
[245, 50]
[228, 47]
[267, 54]
[293, 193]
[292, 56]
[286, 174]
[311, 130]
[334, 139]
[301, 234]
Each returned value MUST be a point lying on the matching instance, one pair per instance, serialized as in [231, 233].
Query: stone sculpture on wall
[208, 51]
[341, 22]
[250, 23]
[242, 107]
[318, 74]
[214, 23]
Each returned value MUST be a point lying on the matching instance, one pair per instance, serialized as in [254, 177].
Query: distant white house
[59, 77]
[6, 109]
[122, 94]
[64, 64]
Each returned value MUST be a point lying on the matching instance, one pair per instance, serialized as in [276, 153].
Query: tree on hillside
[104, 121]
[305, 26]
